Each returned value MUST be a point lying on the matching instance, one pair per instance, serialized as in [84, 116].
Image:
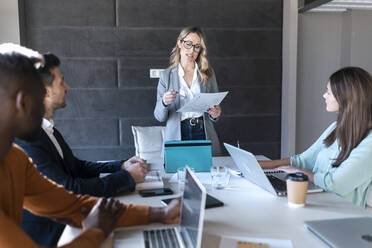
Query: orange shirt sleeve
[14, 237]
[46, 198]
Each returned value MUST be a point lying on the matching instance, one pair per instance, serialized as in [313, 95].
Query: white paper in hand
[203, 101]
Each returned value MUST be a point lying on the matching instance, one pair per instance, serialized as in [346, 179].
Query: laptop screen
[191, 211]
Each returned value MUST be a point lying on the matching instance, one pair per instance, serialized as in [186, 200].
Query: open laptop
[187, 234]
[343, 233]
[271, 181]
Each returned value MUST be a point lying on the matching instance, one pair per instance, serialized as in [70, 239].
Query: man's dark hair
[51, 61]
[15, 68]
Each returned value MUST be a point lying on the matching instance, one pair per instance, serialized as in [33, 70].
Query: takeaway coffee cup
[296, 189]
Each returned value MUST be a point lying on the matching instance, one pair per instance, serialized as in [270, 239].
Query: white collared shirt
[48, 128]
[186, 93]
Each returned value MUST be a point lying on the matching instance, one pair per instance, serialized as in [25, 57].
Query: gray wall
[9, 21]
[326, 42]
[360, 38]
[108, 47]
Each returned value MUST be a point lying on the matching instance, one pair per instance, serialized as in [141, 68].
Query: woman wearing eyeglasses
[189, 73]
[340, 161]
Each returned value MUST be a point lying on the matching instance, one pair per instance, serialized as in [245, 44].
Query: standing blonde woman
[189, 73]
[340, 161]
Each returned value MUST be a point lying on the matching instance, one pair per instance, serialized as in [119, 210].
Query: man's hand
[168, 215]
[126, 164]
[137, 168]
[104, 215]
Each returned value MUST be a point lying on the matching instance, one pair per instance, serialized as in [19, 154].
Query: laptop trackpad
[128, 238]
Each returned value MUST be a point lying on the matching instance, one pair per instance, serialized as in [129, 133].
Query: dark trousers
[192, 132]
[45, 232]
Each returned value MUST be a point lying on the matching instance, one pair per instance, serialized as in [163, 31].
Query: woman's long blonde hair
[202, 61]
[352, 88]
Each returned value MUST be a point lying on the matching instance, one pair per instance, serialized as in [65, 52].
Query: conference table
[250, 211]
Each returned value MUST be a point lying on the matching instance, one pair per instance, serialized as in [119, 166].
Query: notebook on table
[343, 233]
[272, 181]
[187, 234]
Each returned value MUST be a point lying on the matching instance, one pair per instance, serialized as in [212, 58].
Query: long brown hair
[352, 88]
[202, 61]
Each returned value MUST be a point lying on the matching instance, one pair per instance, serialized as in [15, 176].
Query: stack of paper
[153, 180]
[203, 101]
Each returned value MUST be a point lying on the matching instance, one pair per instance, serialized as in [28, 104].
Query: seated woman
[340, 161]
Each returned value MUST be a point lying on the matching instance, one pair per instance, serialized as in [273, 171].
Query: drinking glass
[220, 176]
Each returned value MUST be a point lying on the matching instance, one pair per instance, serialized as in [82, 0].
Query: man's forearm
[156, 214]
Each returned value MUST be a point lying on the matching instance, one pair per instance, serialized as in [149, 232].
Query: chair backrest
[148, 141]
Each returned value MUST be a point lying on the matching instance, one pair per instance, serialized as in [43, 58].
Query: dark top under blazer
[79, 176]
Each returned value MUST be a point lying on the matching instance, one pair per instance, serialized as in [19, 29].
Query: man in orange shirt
[21, 111]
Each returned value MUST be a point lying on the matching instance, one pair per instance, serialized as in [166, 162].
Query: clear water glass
[220, 176]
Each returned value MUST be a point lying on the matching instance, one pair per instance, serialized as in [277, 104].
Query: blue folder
[196, 154]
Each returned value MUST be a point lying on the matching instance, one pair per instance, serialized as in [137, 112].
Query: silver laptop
[188, 234]
[271, 180]
[343, 233]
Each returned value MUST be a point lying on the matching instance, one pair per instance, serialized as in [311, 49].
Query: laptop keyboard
[273, 171]
[277, 183]
[161, 238]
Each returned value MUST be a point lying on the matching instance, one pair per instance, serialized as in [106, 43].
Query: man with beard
[55, 160]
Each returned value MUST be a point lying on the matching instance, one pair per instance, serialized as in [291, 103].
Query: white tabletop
[250, 211]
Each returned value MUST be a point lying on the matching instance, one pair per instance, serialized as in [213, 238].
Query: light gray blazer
[169, 80]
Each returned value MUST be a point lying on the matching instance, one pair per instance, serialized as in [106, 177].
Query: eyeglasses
[188, 45]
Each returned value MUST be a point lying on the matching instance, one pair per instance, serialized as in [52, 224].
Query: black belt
[194, 121]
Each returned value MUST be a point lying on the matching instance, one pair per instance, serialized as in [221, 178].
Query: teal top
[351, 179]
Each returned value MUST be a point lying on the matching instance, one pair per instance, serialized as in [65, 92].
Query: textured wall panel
[106, 103]
[86, 132]
[107, 48]
[101, 154]
[152, 42]
[247, 71]
[245, 43]
[90, 73]
[73, 42]
[134, 72]
[248, 101]
[243, 128]
[220, 14]
[70, 13]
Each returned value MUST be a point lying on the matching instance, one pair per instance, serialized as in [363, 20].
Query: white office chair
[148, 142]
